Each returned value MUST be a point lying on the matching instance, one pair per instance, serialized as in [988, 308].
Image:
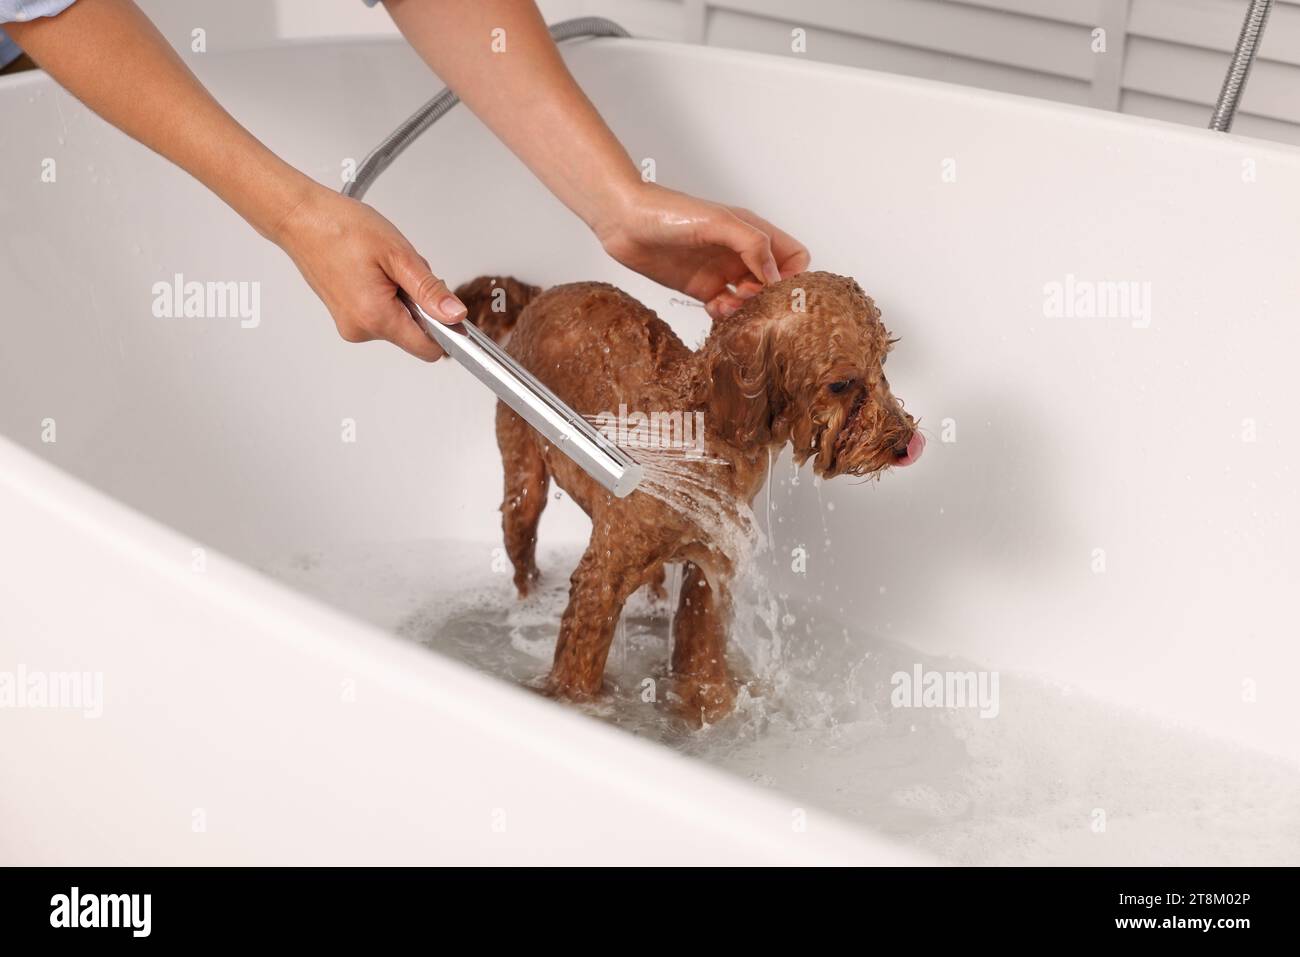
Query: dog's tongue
[915, 446]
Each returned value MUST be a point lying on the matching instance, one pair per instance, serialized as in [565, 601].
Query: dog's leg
[700, 648]
[608, 573]
[527, 482]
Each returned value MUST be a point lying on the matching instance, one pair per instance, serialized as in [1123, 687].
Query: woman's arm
[527, 97]
[524, 95]
[111, 57]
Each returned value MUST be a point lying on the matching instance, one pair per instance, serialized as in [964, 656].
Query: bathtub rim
[579, 746]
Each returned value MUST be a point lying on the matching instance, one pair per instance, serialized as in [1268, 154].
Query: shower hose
[1243, 57]
[393, 145]
[514, 385]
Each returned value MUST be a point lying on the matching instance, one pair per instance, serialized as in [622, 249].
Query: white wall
[1163, 58]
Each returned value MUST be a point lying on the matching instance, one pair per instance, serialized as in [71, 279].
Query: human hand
[353, 258]
[718, 254]
[356, 260]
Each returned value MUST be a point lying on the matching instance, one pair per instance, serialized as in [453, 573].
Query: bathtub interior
[1105, 515]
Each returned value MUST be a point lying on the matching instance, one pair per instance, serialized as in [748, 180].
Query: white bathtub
[1106, 516]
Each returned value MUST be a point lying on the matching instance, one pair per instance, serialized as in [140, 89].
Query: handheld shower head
[514, 385]
[537, 405]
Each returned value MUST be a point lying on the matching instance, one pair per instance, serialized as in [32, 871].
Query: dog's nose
[909, 453]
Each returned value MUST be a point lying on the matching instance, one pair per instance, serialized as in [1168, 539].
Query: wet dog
[802, 362]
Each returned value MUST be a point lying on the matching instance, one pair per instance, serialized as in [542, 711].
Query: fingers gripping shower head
[514, 385]
[537, 405]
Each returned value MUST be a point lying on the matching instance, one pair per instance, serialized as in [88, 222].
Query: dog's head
[804, 362]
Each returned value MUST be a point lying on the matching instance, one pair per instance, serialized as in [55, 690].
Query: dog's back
[597, 348]
[590, 342]
[495, 302]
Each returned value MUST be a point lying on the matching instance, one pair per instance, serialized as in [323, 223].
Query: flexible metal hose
[1252, 29]
[382, 156]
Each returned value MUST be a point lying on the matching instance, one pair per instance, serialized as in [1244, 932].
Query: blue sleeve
[18, 10]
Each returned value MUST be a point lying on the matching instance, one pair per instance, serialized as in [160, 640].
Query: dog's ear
[741, 393]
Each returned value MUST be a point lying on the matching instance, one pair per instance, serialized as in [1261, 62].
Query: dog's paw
[704, 702]
[574, 688]
[525, 584]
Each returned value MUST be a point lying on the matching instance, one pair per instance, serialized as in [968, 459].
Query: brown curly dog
[801, 362]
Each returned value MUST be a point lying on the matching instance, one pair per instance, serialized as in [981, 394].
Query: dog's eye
[838, 387]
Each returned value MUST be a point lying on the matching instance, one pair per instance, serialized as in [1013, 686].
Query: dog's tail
[495, 302]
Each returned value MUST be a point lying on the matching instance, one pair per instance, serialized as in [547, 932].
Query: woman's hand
[114, 60]
[356, 260]
[718, 254]
[527, 97]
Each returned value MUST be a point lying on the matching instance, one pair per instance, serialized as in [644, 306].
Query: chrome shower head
[537, 405]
